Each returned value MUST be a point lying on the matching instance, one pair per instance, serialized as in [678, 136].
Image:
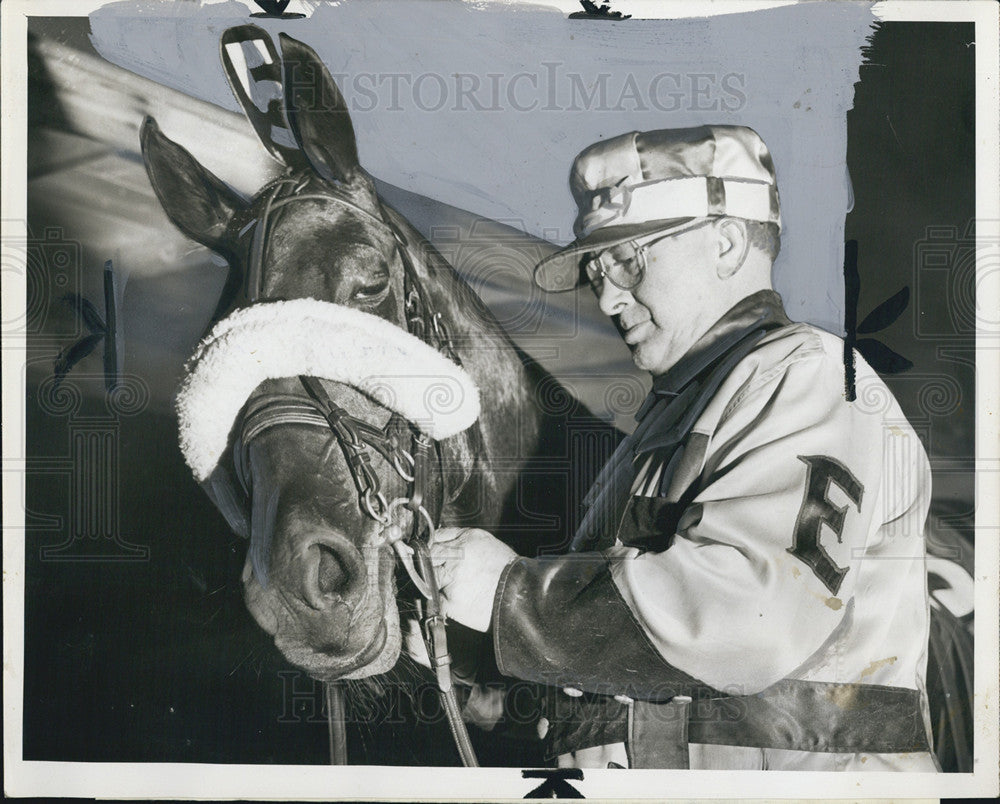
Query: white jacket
[779, 430]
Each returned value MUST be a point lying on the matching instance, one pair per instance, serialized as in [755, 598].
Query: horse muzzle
[330, 609]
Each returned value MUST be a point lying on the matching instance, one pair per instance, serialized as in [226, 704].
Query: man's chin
[644, 360]
[656, 358]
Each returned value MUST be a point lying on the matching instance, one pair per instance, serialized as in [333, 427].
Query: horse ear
[197, 202]
[317, 113]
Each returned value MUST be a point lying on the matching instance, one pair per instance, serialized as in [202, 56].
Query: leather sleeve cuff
[561, 621]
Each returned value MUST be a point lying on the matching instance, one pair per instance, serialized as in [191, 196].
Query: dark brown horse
[318, 576]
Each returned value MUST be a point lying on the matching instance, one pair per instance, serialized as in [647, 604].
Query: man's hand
[468, 563]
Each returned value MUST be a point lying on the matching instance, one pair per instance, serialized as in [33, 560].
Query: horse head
[324, 280]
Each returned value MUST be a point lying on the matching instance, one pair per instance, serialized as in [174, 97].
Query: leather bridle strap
[415, 556]
[354, 435]
[422, 321]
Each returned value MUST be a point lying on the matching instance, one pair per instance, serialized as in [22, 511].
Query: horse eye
[373, 290]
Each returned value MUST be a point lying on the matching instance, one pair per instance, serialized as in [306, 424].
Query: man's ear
[733, 243]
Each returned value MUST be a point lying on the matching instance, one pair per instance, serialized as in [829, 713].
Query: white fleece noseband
[317, 339]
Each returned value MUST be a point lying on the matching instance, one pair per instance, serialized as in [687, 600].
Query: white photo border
[195, 781]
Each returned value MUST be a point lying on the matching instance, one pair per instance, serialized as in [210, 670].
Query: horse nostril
[332, 576]
[332, 570]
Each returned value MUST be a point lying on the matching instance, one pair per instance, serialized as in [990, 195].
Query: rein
[357, 439]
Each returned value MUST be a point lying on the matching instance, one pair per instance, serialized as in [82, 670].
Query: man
[747, 588]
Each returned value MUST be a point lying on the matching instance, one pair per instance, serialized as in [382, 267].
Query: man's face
[664, 315]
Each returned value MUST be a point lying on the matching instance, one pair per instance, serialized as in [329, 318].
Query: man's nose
[612, 299]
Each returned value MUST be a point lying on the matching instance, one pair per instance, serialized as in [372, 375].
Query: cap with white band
[651, 182]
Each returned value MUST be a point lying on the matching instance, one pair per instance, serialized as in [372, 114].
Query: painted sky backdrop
[483, 107]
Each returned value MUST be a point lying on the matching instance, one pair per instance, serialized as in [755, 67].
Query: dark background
[151, 656]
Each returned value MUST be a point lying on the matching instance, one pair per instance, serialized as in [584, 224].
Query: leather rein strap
[355, 437]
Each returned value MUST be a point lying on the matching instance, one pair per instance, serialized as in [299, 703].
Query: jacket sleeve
[758, 574]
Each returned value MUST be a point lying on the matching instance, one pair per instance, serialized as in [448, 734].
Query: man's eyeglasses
[624, 265]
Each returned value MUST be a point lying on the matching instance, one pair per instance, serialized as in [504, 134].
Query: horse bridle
[421, 320]
[357, 439]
